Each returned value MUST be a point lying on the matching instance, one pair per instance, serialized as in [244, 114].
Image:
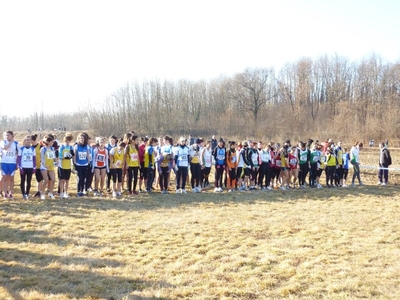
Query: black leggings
[204, 176]
[108, 180]
[150, 179]
[219, 170]
[89, 178]
[195, 169]
[232, 178]
[356, 168]
[330, 173]
[181, 175]
[264, 173]
[27, 177]
[313, 174]
[115, 175]
[345, 173]
[164, 178]
[82, 177]
[133, 173]
[303, 173]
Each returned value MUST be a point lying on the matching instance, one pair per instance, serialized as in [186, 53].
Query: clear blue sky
[65, 53]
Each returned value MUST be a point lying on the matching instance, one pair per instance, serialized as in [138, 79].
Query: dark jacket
[385, 159]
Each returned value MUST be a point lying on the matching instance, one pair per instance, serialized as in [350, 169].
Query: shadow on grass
[17, 235]
[82, 207]
[70, 277]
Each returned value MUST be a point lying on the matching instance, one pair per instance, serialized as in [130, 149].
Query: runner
[143, 170]
[181, 163]
[355, 161]
[339, 164]
[219, 155]
[117, 160]
[66, 153]
[254, 159]
[26, 162]
[112, 143]
[195, 167]
[294, 165]
[231, 164]
[206, 162]
[81, 161]
[149, 162]
[304, 163]
[9, 152]
[100, 165]
[265, 155]
[165, 164]
[48, 159]
[132, 161]
[38, 173]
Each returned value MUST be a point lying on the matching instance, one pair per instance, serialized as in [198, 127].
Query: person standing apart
[355, 161]
[385, 160]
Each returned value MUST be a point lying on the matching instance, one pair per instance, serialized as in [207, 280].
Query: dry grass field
[339, 243]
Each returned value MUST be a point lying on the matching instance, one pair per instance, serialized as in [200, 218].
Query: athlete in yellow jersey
[195, 167]
[339, 158]
[117, 161]
[133, 162]
[330, 166]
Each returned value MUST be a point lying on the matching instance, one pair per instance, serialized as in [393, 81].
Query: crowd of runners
[132, 164]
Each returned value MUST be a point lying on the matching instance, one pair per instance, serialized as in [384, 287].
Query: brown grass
[311, 244]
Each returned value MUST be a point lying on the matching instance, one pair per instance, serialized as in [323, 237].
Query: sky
[60, 56]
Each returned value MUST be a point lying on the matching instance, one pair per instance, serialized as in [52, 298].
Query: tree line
[325, 97]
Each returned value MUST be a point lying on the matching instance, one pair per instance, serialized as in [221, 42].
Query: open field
[310, 244]
[336, 243]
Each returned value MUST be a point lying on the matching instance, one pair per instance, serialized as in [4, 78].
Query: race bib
[10, 154]
[278, 163]
[101, 158]
[293, 161]
[208, 160]
[233, 160]
[82, 155]
[255, 160]
[315, 159]
[118, 163]
[183, 157]
[303, 157]
[27, 158]
[220, 157]
[50, 154]
[134, 156]
[323, 159]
